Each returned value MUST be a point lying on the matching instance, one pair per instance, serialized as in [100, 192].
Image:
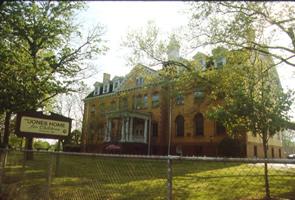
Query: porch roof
[121, 114]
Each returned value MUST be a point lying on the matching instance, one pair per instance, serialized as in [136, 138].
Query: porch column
[123, 130]
[131, 130]
[109, 130]
[145, 130]
[126, 128]
[106, 130]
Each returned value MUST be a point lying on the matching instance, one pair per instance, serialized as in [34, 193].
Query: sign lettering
[44, 126]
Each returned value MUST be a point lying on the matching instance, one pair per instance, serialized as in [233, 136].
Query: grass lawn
[125, 178]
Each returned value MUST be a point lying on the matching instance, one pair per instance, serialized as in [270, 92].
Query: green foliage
[53, 147]
[40, 144]
[41, 54]
[38, 58]
[16, 142]
[73, 138]
[252, 99]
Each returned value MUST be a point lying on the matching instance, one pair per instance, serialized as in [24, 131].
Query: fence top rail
[154, 157]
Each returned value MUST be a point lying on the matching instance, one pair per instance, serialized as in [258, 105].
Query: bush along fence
[60, 175]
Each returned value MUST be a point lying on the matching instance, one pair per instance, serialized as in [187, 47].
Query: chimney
[106, 77]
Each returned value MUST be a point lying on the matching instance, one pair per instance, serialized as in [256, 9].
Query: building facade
[137, 114]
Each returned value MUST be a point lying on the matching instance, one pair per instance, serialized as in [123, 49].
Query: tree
[14, 141]
[232, 23]
[42, 145]
[71, 104]
[148, 46]
[250, 99]
[40, 54]
[74, 138]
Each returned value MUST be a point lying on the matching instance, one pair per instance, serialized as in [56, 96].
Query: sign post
[57, 159]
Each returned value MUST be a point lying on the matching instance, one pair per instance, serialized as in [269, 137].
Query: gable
[140, 75]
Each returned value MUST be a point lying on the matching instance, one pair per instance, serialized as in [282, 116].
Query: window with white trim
[155, 100]
[145, 101]
[203, 64]
[219, 62]
[179, 99]
[139, 81]
[105, 88]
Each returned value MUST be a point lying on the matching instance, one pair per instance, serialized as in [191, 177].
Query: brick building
[131, 115]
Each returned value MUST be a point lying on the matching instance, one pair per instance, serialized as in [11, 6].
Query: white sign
[44, 126]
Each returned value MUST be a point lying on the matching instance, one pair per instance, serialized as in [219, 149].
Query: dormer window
[219, 62]
[105, 88]
[116, 84]
[139, 81]
[203, 64]
[96, 91]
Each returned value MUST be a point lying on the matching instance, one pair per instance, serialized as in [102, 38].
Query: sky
[120, 17]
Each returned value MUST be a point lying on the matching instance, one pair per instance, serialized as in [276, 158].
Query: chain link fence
[60, 175]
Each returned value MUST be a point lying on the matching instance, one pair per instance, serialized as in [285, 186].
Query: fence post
[169, 179]
[49, 176]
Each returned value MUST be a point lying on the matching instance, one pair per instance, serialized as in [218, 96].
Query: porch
[128, 127]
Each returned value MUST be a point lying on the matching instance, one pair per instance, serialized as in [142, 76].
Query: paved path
[278, 166]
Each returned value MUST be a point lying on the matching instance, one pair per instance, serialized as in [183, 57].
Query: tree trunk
[266, 181]
[6, 129]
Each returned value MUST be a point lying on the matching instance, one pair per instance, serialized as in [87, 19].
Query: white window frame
[96, 91]
[106, 86]
[221, 60]
[139, 81]
[203, 64]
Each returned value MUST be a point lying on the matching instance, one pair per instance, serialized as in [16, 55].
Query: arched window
[179, 125]
[199, 124]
